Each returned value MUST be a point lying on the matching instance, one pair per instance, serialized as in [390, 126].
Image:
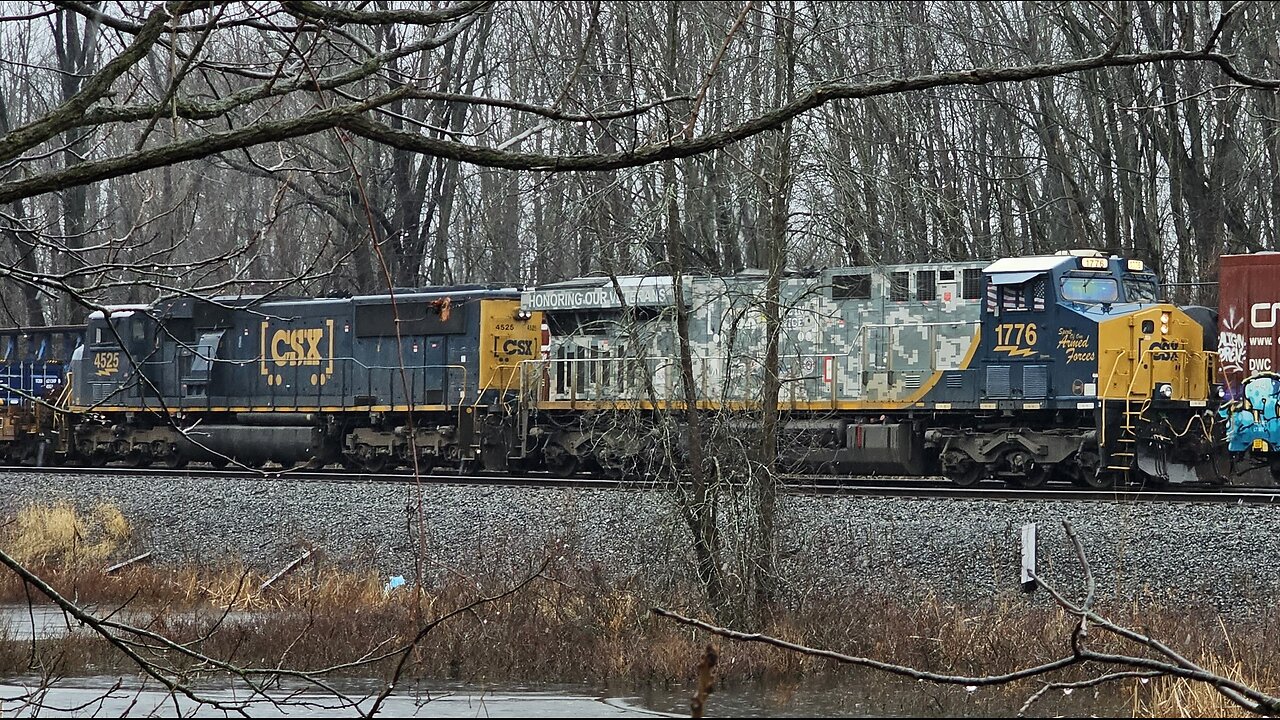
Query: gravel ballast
[957, 551]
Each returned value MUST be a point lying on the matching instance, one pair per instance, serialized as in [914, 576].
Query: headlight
[1164, 390]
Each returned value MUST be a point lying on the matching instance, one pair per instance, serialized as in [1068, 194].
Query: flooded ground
[109, 697]
[844, 694]
[99, 697]
[46, 622]
[37, 622]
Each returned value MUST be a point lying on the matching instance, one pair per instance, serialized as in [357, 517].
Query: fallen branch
[287, 569]
[126, 563]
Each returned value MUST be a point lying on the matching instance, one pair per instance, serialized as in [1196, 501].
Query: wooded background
[1171, 162]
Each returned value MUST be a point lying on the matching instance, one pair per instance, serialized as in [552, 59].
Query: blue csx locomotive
[1026, 369]
[423, 378]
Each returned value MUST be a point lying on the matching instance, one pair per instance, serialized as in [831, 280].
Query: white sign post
[1029, 557]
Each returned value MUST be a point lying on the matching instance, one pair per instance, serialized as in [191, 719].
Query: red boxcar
[1248, 313]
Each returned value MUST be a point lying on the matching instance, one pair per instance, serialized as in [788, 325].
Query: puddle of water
[867, 697]
[868, 694]
[45, 622]
[93, 697]
[39, 622]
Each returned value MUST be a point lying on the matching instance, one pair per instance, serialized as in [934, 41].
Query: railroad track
[881, 486]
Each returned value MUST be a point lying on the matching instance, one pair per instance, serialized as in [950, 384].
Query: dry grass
[1177, 697]
[59, 535]
[1250, 664]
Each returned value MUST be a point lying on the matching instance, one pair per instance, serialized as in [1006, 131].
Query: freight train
[1027, 370]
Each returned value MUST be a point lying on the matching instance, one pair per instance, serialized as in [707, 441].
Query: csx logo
[1165, 349]
[515, 347]
[297, 347]
[1263, 315]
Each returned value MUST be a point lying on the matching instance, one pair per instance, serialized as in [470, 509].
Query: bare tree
[193, 148]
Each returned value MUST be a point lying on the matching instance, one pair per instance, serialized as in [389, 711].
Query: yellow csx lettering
[297, 347]
[517, 347]
[1169, 349]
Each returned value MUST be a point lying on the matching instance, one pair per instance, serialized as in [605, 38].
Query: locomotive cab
[116, 342]
[1041, 318]
[33, 364]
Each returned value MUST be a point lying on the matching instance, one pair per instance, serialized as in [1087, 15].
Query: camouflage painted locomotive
[425, 378]
[1026, 369]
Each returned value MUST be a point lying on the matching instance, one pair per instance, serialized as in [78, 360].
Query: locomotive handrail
[588, 378]
[506, 387]
[575, 381]
[578, 372]
[1195, 358]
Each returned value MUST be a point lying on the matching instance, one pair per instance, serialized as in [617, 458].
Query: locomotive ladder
[1125, 455]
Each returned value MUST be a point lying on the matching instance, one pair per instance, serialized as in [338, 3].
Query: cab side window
[1013, 298]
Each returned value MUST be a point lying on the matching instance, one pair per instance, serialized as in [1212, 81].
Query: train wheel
[560, 461]
[376, 463]
[219, 463]
[563, 465]
[1034, 478]
[173, 461]
[969, 475]
[135, 459]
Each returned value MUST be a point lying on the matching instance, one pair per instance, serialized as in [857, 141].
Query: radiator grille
[998, 381]
[1035, 381]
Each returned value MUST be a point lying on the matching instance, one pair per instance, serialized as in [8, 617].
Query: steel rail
[885, 486]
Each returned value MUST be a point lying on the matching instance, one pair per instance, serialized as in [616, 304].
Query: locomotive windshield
[1090, 289]
[1140, 290]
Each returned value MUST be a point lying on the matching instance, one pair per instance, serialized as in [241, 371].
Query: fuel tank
[288, 445]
